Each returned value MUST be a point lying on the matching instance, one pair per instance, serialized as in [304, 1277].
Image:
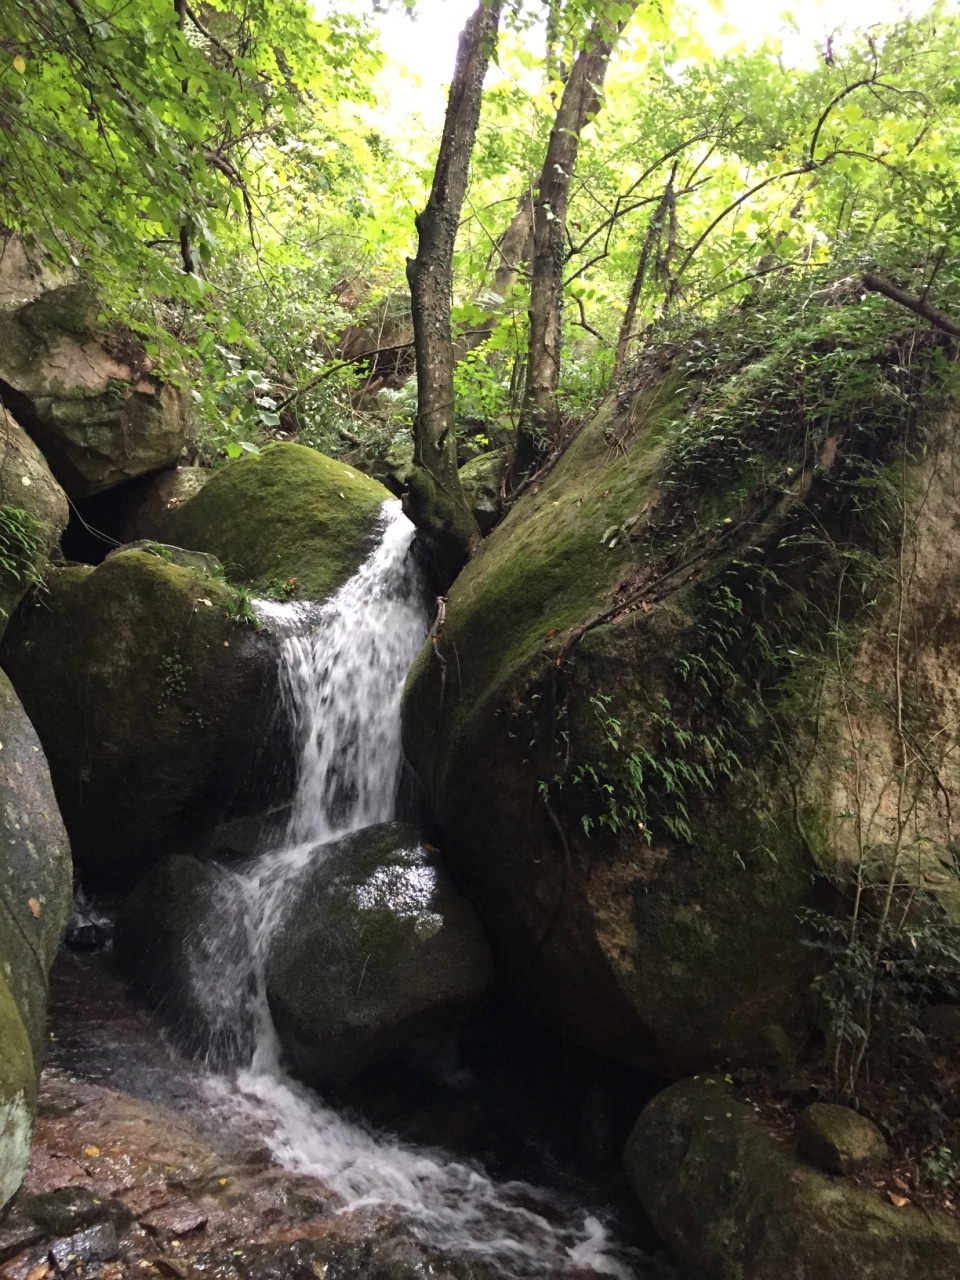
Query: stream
[343, 668]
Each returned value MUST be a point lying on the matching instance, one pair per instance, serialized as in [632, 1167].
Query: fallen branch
[875, 284]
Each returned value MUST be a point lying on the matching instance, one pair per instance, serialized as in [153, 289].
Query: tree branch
[876, 284]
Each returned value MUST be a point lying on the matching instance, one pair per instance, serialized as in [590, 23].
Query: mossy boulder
[732, 1201]
[33, 514]
[291, 513]
[173, 958]
[18, 1095]
[375, 948]
[672, 951]
[35, 888]
[35, 869]
[152, 695]
[86, 391]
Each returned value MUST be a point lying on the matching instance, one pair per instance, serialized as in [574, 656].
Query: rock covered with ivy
[630, 721]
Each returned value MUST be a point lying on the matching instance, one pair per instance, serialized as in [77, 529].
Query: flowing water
[343, 667]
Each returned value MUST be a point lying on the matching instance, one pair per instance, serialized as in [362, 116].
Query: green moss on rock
[150, 696]
[290, 513]
[732, 1202]
[379, 947]
[838, 1140]
[160, 942]
[672, 953]
[18, 1095]
[35, 869]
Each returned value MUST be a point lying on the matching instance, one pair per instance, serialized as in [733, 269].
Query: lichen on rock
[18, 1095]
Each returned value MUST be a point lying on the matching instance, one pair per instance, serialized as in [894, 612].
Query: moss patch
[290, 513]
[150, 698]
[731, 1201]
[18, 1095]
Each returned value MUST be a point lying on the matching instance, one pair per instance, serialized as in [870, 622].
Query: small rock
[175, 1219]
[839, 1140]
[202, 561]
[96, 1244]
[66, 1210]
[16, 1232]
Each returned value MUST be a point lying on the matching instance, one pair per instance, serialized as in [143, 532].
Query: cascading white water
[344, 668]
[343, 681]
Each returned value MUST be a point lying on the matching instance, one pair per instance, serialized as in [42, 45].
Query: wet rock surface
[133, 1174]
[377, 948]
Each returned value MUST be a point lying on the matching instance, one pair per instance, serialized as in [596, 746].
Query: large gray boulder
[376, 947]
[733, 1201]
[152, 692]
[85, 390]
[35, 887]
[640, 739]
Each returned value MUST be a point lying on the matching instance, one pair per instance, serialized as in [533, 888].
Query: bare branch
[918, 306]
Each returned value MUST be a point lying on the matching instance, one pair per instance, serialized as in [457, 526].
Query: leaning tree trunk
[512, 250]
[539, 416]
[435, 500]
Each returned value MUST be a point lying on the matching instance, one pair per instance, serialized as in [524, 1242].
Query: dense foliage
[220, 172]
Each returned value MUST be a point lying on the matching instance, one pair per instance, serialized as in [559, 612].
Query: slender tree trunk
[539, 418]
[651, 245]
[513, 248]
[435, 500]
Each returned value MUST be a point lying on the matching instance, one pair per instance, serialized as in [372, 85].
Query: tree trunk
[651, 245]
[435, 500]
[539, 418]
[512, 249]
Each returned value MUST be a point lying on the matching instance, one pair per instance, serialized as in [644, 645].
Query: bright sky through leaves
[423, 48]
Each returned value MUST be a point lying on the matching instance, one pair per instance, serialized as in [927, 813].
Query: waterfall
[343, 668]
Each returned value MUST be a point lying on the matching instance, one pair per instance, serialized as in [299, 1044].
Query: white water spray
[343, 670]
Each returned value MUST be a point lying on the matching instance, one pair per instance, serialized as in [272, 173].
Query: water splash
[343, 669]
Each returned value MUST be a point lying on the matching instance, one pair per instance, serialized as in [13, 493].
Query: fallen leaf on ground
[899, 1201]
[35, 908]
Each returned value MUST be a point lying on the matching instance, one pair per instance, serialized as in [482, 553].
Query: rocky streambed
[144, 1165]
